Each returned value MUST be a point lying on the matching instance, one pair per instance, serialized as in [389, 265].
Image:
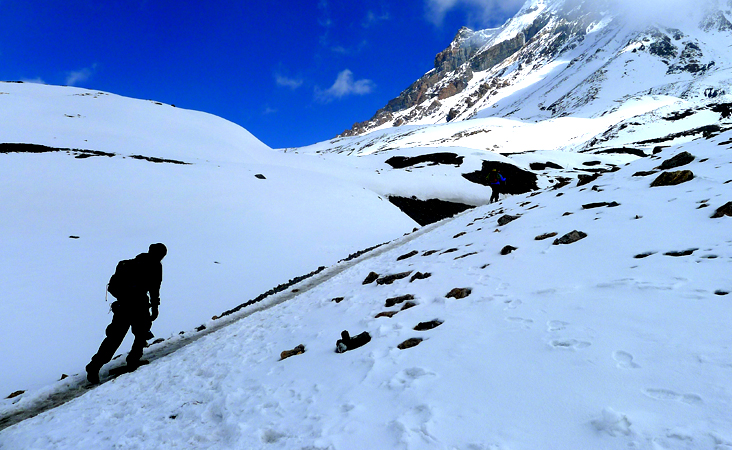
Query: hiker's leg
[494, 194]
[141, 325]
[115, 332]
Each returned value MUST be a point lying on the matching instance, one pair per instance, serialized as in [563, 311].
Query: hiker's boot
[92, 373]
[133, 365]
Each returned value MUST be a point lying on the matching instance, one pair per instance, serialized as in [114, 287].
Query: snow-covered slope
[66, 221]
[618, 340]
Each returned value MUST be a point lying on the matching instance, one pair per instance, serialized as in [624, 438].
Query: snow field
[569, 346]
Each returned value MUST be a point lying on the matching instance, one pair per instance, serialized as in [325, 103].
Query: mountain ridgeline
[560, 54]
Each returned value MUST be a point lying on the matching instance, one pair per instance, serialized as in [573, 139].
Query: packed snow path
[75, 386]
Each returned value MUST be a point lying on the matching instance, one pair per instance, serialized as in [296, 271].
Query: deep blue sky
[292, 72]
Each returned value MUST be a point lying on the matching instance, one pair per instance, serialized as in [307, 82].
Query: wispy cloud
[268, 110]
[292, 83]
[373, 18]
[482, 11]
[74, 78]
[345, 85]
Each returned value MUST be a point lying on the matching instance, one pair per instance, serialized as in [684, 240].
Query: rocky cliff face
[481, 68]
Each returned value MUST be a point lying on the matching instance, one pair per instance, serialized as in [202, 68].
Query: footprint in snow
[665, 394]
[569, 344]
[556, 325]
[624, 360]
[524, 323]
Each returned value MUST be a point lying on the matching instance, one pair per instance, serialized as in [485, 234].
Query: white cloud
[37, 80]
[373, 18]
[483, 11]
[292, 83]
[345, 85]
[75, 77]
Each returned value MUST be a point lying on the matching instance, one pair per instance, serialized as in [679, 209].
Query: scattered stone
[595, 188]
[503, 220]
[720, 292]
[679, 160]
[408, 305]
[408, 255]
[389, 279]
[15, 394]
[600, 205]
[396, 300]
[370, 278]
[449, 251]
[462, 233]
[673, 178]
[420, 276]
[724, 210]
[346, 342]
[158, 341]
[459, 293]
[431, 252]
[409, 343]
[587, 179]
[644, 255]
[63, 377]
[260, 176]
[645, 173]
[388, 314]
[338, 299]
[465, 255]
[299, 350]
[424, 326]
[507, 250]
[571, 237]
[73, 237]
[682, 253]
[541, 237]
[567, 214]
[591, 163]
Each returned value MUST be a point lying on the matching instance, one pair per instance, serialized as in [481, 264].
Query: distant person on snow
[132, 281]
[495, 181]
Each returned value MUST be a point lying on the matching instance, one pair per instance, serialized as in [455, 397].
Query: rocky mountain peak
[479, 69]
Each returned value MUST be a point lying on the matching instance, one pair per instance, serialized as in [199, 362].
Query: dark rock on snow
[570, 238]
[600, 205]
[724, 210]
[389, 279]
[541, 237]
[507, 250]
[423, 326]
[459, 293]
[420, 276]
[346, 342]
[396, 300]
[425, 212]
[370, 278]
[299, 350]
[673, 178]
[408, 255]
[505, 219]
[409, 343]
[679, 160]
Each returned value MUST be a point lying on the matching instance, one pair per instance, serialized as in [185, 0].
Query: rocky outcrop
[673, 178]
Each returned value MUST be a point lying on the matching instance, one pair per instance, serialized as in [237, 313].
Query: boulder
[370, 278]
[423, 326]
[673, 178]
[600, 205]
[507, 250]
[346, 342]
[571, 237]
[420, 276]
[408, 305]
[541, 237]
[679, 160]
[724, 210]
[389, 279]
[503, 220]
[409, 343]
[15, 394]
[389, 314]
[299, 350]
[408, 255]
[459, 293]
[396, 300]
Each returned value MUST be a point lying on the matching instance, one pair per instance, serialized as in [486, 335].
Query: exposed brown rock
[459, 293]
[673, 178]
[409, 343]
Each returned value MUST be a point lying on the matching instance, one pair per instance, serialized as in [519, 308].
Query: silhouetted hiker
[495, 181]
[132, 281]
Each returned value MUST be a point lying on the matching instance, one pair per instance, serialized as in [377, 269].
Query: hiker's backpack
[123, 280]
[493, 178]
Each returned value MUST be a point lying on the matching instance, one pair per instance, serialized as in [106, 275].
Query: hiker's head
[158, 250]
